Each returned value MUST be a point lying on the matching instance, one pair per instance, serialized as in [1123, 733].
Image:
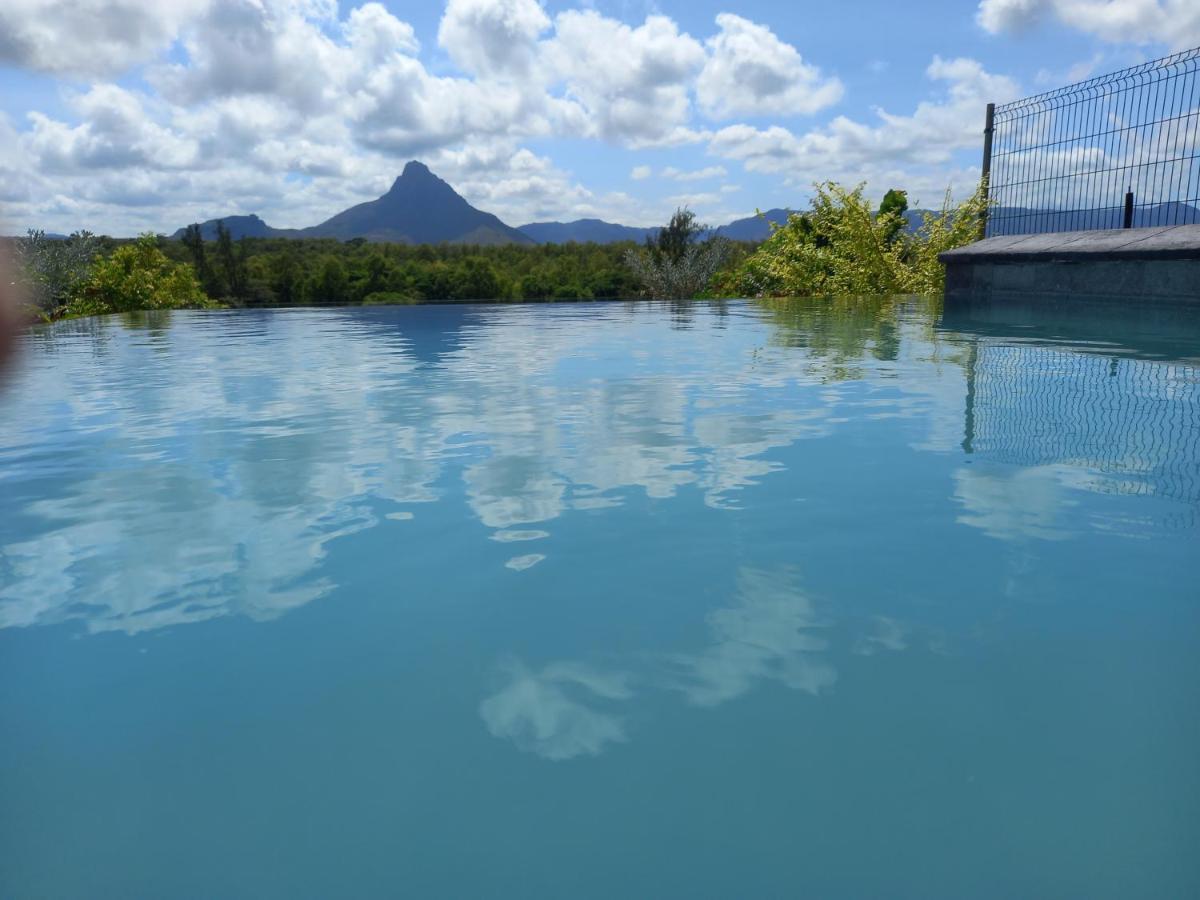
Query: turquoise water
[573, 601]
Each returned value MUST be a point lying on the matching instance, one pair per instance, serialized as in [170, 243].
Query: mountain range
[421, 208]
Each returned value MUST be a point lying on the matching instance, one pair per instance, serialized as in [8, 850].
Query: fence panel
[1068, 159]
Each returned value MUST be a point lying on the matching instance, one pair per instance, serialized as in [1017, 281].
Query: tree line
[306, 272]
[840, 246]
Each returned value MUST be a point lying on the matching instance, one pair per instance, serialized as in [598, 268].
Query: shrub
[54, 269]
[680, 260]
[840, 246]
[138, 276]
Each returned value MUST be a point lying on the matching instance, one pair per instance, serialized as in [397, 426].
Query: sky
[125, 116]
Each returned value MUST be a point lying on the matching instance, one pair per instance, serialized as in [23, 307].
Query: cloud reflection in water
[198, 465]
[770, 633]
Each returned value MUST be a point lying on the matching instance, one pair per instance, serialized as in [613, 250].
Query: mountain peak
[414, 173]
[419, 208]
[415, 169]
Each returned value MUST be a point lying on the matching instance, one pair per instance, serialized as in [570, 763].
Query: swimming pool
[756, 599]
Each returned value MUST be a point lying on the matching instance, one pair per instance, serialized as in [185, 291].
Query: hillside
[420, 208]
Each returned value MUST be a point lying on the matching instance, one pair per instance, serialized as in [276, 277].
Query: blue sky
[122, 116]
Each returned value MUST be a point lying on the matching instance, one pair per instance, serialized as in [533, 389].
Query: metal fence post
[988, 130]
[1128, 209]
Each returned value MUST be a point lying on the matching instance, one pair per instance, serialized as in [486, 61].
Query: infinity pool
[812, 599]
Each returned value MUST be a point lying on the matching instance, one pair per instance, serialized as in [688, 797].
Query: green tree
[193, 239]
[232, 263]
[475, 279]
[54, 269]
[891, 213]
[680, 260]
[139, 276]
[330, 284]
[284, 277]
[672, 243]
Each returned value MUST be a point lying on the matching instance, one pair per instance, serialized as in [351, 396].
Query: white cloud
[373, 31]
[704, 174]
[916, 150]
[297, 53]
[1175, 23]
[116, 133]
[90, 37]
[632, 82]
[641, 173]
[525, 186]
[15, 180]
[493, 37]
[749, 71]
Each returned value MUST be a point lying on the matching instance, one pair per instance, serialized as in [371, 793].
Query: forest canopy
[842, 245]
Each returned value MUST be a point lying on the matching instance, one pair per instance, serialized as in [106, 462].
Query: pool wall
[1127, 264]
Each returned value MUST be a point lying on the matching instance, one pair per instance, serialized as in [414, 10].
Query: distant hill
[583, 231]
[420, 208]
[1020, 220]
[754, 228]
[239, 227]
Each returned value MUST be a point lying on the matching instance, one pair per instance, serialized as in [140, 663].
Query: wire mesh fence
[1118, 151]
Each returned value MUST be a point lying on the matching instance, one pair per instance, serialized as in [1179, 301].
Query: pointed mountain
[420, 208]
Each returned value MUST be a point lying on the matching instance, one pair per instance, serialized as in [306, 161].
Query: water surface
[800, 599]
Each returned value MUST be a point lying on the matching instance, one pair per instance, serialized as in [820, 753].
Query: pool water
[758, 599]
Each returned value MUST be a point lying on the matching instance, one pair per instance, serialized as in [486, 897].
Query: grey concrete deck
[1135, 263]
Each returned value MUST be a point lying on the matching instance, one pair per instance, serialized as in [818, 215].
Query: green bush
[53, 269]
[138, 276]
[842, 246]
[680, 260]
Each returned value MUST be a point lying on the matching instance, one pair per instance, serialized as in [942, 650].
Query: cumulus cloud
[749, 71]
[116, 132]
[632, 82]
[524, 186]
[90, 37]
[283, 50]
[920, 146]
[493, 37]
[373, 31]
[14, 183]
[1175, 23]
